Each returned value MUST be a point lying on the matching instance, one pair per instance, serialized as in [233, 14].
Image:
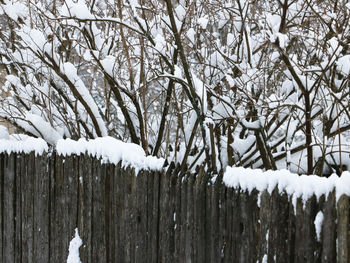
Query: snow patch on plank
[295, 186]
[318, 224]
[74, 245]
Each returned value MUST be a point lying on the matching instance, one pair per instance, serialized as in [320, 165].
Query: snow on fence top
[26, 145]
[106, 148]
[295, 186]
[113, 151]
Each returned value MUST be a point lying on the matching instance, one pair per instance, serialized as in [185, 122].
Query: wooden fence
[155, 216]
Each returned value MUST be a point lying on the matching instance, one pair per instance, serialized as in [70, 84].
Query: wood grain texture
[124, 215]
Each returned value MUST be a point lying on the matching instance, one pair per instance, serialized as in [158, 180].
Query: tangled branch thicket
[261, 84]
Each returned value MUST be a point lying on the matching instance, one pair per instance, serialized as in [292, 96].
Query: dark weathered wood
[20, 166]
[41, 209]
[127, 215]
[98, 219]
[85, 195]
[8, 249]
[166, 220]
[305, 235]
[2, 215]
[199, 215]
[343, 229]
[278, 241]
[110, 210]
[265, 224]
[329, 253]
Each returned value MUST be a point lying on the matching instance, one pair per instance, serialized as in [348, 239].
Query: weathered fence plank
[98, 219]
[40, 208]
[124, 215]
[2, 176]
[9, 204]
[343, 229]
[329, 253]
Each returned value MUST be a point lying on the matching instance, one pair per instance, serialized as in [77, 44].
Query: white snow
[295, 186]
[107, 148]
[191, 34]
[74, 245]
[318, 224]
[27, 145]
[343, 64]
[15, 10]
[42, 128]
[76, 9]
[108, 64]
[70, 70]
[4, 134]
[111, 150]
[203, 22]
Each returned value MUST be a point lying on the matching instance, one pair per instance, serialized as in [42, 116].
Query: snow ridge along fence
[128, 215]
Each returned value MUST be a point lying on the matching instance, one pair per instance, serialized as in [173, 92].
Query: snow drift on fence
[26, 145]
[114, 151]
[111, 150]
[106, 148]
[296, 186]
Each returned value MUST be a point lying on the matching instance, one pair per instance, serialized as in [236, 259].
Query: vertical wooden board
[223, 218]
[305, 238]
[182, 222]
[109, 205]
[66, 210]
[235, 233]
[248, 214]
[149, 214]
[214, 222]
[20, 163]
[196, 215]
[278, 240]
[199, 217]
[9, 213]
[118, 207]
[53, 212]
[291, 231]
[228, 245]
[172, 215]
[209, 226]
[154, 224]
[343, 229]
[254, 230]
[237, 226]
[53, 207]
[318, 249]
[189, 257]
[151, 236]
[265, 224]
[165, 220]
[129, 177]
[329, 230]
[98, 220]
[41, 209]
[178, 218]
[28, 208]
[85, 206]
[299, 246]
[134, 241]
[58, 240]
[2, 214]
[141, 216]
[71, 177]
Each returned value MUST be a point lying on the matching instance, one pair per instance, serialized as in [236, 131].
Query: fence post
[343, 229]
